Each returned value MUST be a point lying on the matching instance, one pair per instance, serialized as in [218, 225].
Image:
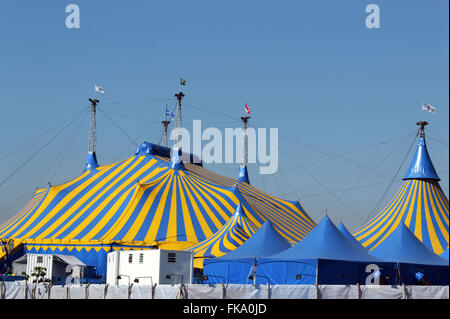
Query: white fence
[18, 290]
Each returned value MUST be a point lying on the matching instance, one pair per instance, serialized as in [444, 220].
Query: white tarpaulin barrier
[18, 290]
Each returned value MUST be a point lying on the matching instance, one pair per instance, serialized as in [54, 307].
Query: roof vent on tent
[91, 162]
[175, 159]
[421, 165]
[243, 175]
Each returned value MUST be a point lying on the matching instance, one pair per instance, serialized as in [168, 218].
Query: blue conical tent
[264, 242]
[348, 234]
[235, 267]
[324, 256]
[403, 247]
[325, 241]
[416, 263]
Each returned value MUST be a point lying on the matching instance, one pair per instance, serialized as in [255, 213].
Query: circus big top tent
[420, 204]
[145, 201]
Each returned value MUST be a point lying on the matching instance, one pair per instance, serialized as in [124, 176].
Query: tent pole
[254, 271]
[317, 280]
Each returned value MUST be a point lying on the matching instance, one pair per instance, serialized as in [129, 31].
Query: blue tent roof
[91, 162]
[325, 241]
[421, 165]
[243, 175]
[402, 246]
[348, 235]
[264, 242]
[445, 254]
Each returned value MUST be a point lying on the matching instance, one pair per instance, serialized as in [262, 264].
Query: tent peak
[175, 160]
[421, 165]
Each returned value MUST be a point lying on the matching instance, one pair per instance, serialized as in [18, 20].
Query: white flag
[98, 89]
[429, 108]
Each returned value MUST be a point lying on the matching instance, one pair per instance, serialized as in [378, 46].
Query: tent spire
[422, 125]
[91, 162]
[243, 173]
[179, 97]
[166, 124]
[421, 165]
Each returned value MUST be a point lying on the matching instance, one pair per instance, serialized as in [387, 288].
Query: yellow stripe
[210, 213]
[442, 202]
[156, 221]
[205, 228]
[172, 224]
[85, 198]
[218, 209]
[188, 225]
[389, 215]
[418, 228]
[53, 192]
[434, 200]
[112, 198]
[412, 203]
[395, 218]
[382, 214]
[437, 248]
[128, 211]
[145, 210]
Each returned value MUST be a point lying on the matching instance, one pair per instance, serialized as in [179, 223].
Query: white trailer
[57, 267]
[146, 267]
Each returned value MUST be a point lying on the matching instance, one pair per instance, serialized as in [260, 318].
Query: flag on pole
[247, 109]
[168, 113]
[98, 89]
[429, 108]
[182, 81]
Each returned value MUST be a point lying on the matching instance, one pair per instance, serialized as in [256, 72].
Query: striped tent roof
[147, 200]
[234, 233]
[420, 204]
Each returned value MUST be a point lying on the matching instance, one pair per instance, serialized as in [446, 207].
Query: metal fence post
[105, 291]
[129, 290]
[153, 288]
[405, 294]
[86, 291]
[223, 290]
[49, 287]
[358, 291]
[316, 285]
[25, 290]
[3, 295]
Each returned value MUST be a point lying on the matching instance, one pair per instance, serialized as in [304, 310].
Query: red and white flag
[247, 109]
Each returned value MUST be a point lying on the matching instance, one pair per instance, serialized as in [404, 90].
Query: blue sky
[310, 68]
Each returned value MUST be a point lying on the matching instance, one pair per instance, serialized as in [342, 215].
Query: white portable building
[146, 267]
[57, 267]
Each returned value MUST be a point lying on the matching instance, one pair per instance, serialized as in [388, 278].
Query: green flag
[182, 81]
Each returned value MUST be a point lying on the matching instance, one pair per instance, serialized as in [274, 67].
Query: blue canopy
[325, 241]
[236, 266]
[445, 254]
[348, 235]
[421, 165]
[264, 242]
[403, 247]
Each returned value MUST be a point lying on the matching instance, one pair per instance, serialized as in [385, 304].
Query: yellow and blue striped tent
[234, 233]
[144, 201]
[420, 204]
